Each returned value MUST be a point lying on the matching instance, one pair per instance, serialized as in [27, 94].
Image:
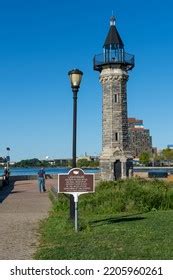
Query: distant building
[89, 158]
[139, 137]
[170, 146]
[154, 151]
[59, 161]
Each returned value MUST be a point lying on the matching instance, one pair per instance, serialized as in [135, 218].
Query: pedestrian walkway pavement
[22, 207]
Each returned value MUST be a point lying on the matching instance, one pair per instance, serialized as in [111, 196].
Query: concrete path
[21, 209]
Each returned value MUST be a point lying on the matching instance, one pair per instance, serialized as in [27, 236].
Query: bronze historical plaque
[76, 181]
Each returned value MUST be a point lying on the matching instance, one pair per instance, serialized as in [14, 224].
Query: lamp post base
[72, 208]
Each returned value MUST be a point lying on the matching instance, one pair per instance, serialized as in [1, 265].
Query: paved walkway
[21, 209]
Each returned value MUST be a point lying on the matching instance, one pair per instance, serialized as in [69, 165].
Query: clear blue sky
[40, 41]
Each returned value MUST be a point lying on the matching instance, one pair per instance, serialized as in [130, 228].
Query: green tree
[94, 163]
[167, 154]
[145, 158]
[83, 162]
[29, 163]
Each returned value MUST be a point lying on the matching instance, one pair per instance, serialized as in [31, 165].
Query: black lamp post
[8, 157]
[75, 76]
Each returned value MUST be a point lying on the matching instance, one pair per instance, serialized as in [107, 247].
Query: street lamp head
[75, 76]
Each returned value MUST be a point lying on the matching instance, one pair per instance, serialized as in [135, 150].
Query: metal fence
[116, 57]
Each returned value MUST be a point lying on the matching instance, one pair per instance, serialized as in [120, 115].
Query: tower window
[116, 98]
[116, 136]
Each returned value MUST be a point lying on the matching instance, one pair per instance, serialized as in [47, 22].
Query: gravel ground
[21, 209]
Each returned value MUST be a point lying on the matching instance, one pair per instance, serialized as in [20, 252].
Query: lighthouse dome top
[113, 38]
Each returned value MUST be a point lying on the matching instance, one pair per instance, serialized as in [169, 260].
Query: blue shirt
[41, 173]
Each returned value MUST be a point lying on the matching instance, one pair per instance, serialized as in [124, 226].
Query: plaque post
[76, 211]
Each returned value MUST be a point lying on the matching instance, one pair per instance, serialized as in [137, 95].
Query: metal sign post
[76, 216]
[76, 182]
[76, 195]
[76, 210]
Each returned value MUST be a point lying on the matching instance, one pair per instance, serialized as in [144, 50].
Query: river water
[15, 171]
[54, 170]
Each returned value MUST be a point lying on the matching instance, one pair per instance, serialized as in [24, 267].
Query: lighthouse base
[116, 167]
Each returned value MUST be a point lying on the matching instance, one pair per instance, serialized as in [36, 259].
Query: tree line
[165, 157]
[56, 163]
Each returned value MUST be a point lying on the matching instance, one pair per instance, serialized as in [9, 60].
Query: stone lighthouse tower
[113, 65]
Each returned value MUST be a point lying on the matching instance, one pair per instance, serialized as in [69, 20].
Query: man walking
[41, 180]
[6, 176]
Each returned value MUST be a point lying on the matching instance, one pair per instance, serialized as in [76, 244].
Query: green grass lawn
[116, 236]
[140, 236]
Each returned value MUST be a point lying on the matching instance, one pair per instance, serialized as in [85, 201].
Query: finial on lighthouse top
[112, 20]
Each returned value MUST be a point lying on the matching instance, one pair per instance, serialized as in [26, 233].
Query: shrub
[133, 195]
[128, 196]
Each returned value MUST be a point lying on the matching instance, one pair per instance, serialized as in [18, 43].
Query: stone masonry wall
[114, 119]
[115, 142]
